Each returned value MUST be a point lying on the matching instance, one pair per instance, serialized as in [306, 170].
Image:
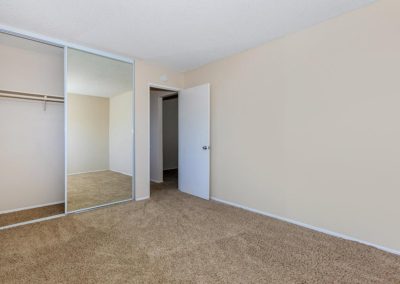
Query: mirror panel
[99, 130]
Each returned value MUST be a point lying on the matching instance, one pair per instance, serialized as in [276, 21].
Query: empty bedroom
[240, 141]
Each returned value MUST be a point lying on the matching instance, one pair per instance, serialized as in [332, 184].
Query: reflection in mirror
[99, 133]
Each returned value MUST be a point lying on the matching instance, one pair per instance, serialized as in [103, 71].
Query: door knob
[206, 147]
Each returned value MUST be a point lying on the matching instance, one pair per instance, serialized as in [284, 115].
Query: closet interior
[66, 126]
[32, 130]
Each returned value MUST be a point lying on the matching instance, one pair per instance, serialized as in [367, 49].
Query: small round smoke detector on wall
[164, 78]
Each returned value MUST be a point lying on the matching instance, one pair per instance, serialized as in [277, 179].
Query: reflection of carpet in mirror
[97, 188]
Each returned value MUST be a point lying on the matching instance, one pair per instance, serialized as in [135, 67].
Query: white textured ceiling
[181, 34]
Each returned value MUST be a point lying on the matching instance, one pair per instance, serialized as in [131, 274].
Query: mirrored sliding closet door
[99, 130]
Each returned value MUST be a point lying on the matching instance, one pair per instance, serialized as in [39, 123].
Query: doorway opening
[164, 146]
[180, 140]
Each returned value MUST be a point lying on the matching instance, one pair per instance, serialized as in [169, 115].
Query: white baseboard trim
[156, 180]
[111, 170]
[142, 198]
[311, 227]
[88, 172]
[30, 207]
[120, 172]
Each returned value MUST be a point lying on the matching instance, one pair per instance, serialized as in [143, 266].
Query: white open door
[194, 141]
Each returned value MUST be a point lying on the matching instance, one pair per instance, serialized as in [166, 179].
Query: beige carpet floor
[30, 214]
[97, 188]
[177, 238]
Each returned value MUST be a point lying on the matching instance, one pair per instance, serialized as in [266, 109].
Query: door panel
[194, 141]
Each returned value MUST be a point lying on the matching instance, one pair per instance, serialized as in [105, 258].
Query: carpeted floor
[177, 238]
[31, 214]
[97, 188]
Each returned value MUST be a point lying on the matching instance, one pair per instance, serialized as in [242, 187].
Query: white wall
[32, 140]
[307, 127]
[170, 134]
[88, 133]
[121, 127]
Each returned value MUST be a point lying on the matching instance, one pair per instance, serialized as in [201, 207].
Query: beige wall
[146, 74]
[29, 66]
[121, 139]
[307, 127]
[31, 140]
[88, 133]
[156, 134]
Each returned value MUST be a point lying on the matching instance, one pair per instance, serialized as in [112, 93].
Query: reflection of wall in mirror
[88, 133]
[121, 138]
[100, 133]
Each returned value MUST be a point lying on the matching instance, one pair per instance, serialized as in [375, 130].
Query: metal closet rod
[30, 96]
